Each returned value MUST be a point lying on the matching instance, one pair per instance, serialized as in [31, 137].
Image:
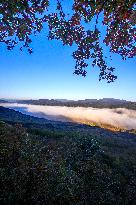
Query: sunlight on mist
[119, 117]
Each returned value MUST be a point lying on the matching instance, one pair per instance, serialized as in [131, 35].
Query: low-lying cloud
[119, 117]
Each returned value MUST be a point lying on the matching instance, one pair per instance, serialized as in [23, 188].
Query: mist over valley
[105, 117]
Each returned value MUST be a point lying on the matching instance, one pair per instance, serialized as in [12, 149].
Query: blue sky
[48, 73]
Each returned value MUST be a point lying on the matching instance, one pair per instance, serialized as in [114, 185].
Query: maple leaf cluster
[21, 18]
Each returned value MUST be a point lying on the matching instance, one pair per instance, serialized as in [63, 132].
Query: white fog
[119, 117]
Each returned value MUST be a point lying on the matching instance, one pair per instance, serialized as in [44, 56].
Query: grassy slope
[65, 164]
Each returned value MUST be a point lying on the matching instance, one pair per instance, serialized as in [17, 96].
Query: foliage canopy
[21, 18]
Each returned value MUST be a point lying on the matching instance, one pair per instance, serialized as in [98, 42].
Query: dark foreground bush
[40, 170]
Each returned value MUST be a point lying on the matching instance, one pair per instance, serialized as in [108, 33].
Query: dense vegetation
[64, 163]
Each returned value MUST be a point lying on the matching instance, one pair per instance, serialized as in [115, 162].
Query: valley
[54, 162]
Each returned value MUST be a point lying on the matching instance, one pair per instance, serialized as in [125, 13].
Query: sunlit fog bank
[119, 117]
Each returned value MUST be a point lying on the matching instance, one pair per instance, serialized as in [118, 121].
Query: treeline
[102, 103]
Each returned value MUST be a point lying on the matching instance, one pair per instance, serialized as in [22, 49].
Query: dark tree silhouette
[21, 18]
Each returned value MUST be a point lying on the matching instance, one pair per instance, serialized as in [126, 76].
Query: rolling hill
[48, 162]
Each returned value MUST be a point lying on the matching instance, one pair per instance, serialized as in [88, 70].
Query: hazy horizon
[2, 98]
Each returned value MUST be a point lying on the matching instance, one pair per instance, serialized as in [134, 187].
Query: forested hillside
[65, 164]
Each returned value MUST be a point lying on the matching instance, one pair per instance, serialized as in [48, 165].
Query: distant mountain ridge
[3, 101]
[101, 103]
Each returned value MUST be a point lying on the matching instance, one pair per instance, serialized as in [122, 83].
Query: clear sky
[48, 73]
